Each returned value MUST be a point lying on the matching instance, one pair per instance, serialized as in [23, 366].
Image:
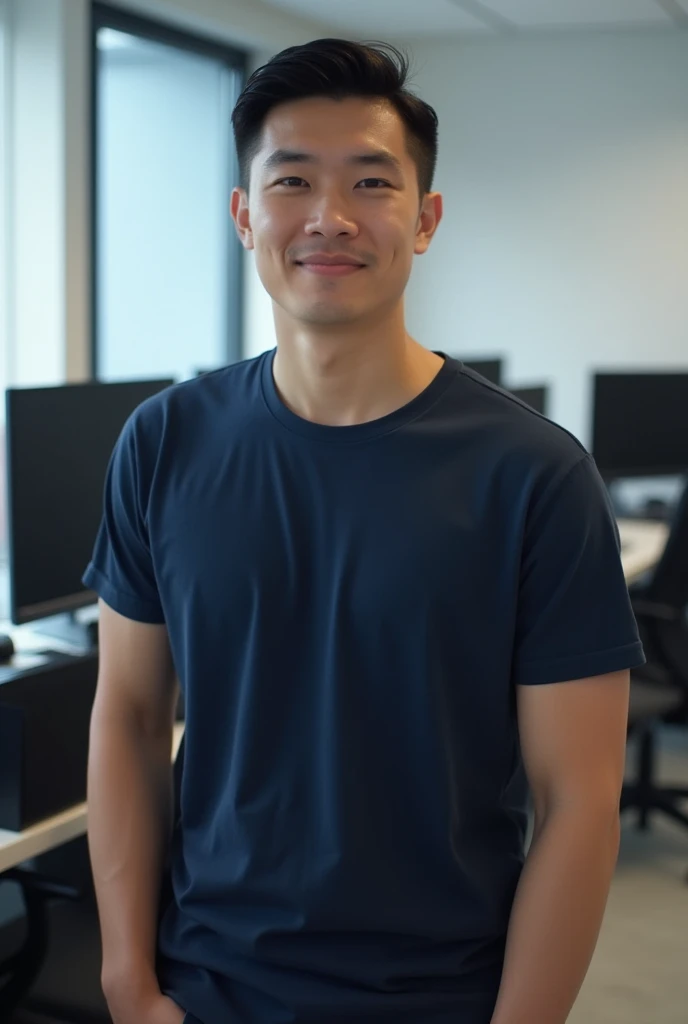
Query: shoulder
[511, 437]
[191, 402]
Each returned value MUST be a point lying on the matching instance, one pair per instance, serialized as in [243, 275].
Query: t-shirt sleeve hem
[582, 666]
[125, 604]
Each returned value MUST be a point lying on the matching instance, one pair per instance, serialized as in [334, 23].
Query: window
[167, 288]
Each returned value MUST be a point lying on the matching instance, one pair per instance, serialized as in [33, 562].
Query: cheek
[400, 248]
[395, 235]
[272, 228]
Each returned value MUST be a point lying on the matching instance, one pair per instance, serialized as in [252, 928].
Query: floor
[639, 974]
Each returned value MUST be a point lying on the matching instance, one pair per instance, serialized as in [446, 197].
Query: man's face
[333, 210]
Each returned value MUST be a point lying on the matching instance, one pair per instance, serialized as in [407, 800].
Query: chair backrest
[669, 582]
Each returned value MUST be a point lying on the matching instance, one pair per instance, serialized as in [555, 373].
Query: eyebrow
[374, 158]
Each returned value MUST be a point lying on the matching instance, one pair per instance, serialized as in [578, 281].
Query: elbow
[136, 718]
[599, 814]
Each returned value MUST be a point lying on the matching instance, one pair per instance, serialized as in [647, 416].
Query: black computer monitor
[491, 369]
[59, 443]
[640, 424]
[536, 397]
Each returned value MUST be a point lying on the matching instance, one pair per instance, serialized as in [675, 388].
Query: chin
[328, 314]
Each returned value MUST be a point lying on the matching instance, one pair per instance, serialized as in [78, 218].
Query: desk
[16, 847]
[642, 543]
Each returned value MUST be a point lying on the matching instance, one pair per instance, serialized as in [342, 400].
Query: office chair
[659, 689]
[54, 969]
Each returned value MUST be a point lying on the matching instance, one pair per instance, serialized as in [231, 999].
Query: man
[391, 593]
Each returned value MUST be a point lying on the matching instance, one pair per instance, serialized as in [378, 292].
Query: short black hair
[336, 69]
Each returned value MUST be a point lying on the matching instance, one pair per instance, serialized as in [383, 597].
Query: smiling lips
[330, 266]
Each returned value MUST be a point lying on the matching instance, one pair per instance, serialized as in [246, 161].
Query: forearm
[556, 916]
[129, 824]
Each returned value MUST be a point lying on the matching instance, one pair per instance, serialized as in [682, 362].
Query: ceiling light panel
[386, 18]
[579, 13]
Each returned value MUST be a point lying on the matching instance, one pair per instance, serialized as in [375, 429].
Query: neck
[343, 376]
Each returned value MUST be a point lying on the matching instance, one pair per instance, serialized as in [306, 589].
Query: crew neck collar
[359, 431]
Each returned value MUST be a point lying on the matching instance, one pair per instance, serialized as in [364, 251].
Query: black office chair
[53, 969]
[659, 690]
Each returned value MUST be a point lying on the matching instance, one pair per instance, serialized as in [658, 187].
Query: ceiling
[363, 18]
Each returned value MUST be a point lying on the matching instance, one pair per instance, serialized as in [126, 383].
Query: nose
[330, 217]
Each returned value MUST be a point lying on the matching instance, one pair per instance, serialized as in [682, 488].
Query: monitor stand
[78, 633]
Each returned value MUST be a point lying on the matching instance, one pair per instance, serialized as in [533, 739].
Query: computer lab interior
[558, 273]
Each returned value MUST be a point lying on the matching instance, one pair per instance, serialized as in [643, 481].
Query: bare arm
[573, 740]
[130, 799]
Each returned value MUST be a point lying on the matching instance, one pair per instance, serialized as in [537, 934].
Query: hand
[157, 1009]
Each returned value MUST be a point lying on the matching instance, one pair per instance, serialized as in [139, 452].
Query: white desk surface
[642, 541]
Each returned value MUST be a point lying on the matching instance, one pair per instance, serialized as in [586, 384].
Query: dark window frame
[235, 60]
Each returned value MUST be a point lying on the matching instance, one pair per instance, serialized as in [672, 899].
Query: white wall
[564, 165]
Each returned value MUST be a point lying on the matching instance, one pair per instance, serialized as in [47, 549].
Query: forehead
[329, 128]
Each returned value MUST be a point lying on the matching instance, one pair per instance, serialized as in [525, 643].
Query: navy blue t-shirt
[350, 610]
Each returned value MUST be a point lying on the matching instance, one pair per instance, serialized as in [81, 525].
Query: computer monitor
[491, 369]
[640, 424]
[536, 397]
[59, 443]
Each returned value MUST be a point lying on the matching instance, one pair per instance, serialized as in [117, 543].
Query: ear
[428, 221]
[240, 216]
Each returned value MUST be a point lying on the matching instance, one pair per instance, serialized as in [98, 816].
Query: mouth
[329, 267]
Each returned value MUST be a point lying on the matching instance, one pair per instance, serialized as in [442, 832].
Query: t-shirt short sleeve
[121, 570]
[574, 616]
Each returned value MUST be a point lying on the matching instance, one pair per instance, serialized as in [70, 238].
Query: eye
[373, 183]
[292, 182]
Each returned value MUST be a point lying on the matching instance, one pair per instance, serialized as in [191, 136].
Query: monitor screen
[640, 424]
[535, 397]
[491, 369]
[59, 443]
